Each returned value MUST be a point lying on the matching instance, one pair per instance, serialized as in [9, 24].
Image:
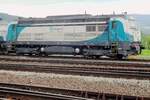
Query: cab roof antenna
[114, 13]
[85, 12]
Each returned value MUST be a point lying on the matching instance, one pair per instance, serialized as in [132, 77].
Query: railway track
[78, 67]
[23, 92]
[35, 95]
[72, 60]
[73, 57]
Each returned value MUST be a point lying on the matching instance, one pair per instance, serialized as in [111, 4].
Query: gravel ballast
[130, 87]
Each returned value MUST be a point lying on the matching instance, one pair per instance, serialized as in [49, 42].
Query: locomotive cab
[126, 36]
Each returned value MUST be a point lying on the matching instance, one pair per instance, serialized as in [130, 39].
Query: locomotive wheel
[95, 57]
[120, 56]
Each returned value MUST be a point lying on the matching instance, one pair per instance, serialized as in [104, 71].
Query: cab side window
[114, 25]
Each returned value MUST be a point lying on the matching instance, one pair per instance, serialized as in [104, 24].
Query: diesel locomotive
[86, 35]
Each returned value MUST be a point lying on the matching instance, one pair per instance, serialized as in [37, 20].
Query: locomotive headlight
[77, 50]
[9, 46]
[119, 48]
[42, 49]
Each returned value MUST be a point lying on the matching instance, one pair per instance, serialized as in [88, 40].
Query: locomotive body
[87, 35]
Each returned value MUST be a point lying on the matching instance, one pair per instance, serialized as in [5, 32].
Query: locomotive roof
[68, 19]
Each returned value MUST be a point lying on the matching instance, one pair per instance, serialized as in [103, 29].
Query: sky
[43, 8]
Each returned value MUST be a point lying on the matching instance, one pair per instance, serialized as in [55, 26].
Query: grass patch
[145, 53]
[146, 41]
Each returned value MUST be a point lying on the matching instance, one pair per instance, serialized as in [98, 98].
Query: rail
[43, 95]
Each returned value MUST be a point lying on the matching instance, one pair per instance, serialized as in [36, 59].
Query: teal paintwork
[13, 32]
[118, 33]
[1, 38]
